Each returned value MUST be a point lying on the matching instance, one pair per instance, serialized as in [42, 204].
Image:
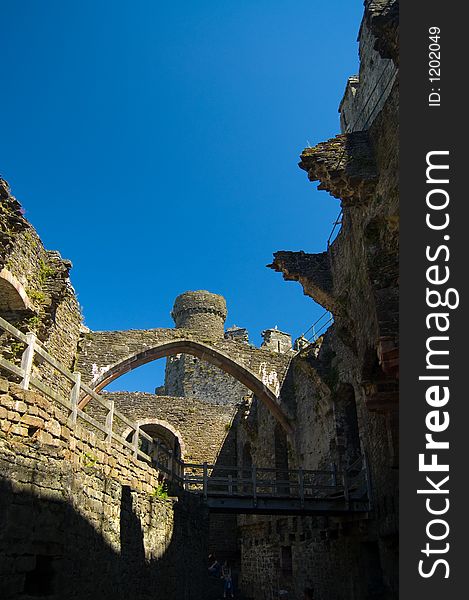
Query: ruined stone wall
[206, 432]
[82, 520]
[364, 257]
[50, 309]
[357, 279]
[366, 94]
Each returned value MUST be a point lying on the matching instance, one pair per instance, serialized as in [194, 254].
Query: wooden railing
[212, 480]
[34, 351]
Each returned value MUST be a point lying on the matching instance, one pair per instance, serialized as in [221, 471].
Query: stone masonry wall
[82, 520]
[206, 432]
[102, 349]
[366, 94]
[53, 312]
[346, 557]
[200, 311]
[202, 427]
[189, 376]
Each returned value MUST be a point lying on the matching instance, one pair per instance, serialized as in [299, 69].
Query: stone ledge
[345, 167]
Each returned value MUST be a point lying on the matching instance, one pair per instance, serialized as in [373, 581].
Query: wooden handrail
[78, 388]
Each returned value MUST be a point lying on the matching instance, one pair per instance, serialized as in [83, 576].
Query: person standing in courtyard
[227, 580]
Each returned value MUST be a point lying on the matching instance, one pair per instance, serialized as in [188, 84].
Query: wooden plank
[10, 367]
[122, 441]
[145, 456]
[16, 333]
[99, 399]
[125, 420]
[135, 441]
[74, 399]
[145, 435]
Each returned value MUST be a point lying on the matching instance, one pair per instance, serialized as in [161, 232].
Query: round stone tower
[202, 312]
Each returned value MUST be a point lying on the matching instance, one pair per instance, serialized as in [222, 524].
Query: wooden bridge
[257, 490]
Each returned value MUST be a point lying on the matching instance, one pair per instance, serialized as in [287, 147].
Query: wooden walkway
[272, 491]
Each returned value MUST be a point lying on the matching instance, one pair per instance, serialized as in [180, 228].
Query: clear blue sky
[155, 144]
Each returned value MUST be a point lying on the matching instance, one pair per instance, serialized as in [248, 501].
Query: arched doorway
[14, 301]
[167, 448]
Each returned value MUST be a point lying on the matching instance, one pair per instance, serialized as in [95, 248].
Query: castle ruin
[283, 458]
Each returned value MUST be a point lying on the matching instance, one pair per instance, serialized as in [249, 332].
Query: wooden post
[27, 360]
[150, 449]
[254, 485]
[74, 399]
[301, 484]
[109, 422]
[205, 480]
[135, 441]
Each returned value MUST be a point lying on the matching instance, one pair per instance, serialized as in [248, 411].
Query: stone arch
[203, 351]
[146, 424]
[13, 296]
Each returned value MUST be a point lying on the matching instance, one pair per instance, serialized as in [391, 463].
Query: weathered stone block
[45, 438]
[19, 429]
[32, 421]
